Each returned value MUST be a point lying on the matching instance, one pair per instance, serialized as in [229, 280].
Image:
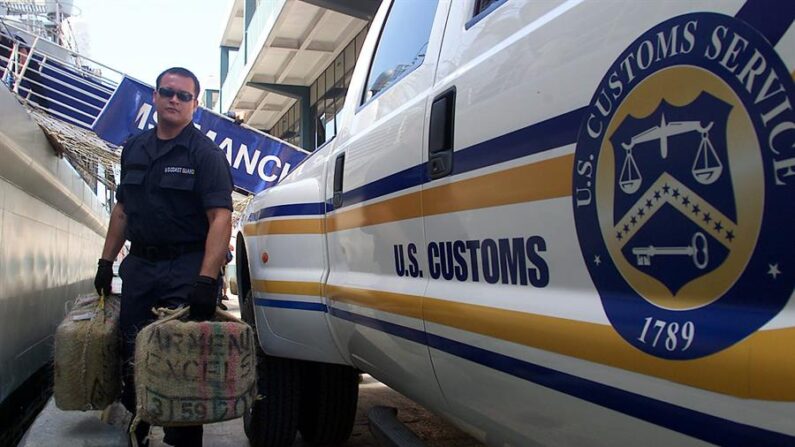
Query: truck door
[487, 210]
[374, 226]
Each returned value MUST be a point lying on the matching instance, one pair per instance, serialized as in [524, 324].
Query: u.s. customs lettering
[514, 260]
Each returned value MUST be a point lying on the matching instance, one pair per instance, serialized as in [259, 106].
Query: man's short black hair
[181, 72]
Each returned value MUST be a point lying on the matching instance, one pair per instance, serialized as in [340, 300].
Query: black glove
[202, 298]
[104, 277]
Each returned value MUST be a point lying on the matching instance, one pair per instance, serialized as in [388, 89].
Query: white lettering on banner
[251, 163]
[143, 116]
[226, 146]
[266, 159]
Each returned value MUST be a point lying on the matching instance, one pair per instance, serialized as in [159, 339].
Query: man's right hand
[104, 277]
[202, 298]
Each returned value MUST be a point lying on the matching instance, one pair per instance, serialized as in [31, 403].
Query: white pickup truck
[556, 222]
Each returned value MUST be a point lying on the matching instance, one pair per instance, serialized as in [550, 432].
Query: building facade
[286, 64]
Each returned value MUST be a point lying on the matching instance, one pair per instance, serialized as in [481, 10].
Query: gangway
[64, 92]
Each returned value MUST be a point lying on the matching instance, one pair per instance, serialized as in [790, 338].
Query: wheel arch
[243, 271]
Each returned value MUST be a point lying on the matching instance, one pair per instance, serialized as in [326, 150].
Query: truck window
[402, 45]
[482, 5]
[482, 9]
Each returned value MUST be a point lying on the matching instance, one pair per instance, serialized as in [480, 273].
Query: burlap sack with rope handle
[87, 363]
[191, 373]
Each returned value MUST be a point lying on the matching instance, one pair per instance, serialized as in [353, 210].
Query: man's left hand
[104, 277]
[202, 298]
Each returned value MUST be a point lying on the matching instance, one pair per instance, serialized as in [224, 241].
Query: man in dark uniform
[174, 205]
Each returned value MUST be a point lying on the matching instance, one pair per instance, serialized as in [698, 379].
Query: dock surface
[54, 427]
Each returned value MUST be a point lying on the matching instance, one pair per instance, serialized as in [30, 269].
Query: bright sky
[144, 37]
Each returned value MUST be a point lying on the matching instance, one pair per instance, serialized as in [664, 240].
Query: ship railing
[64, 92]
[65, 84]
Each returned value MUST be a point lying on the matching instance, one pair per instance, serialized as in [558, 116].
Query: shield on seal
[674, 211]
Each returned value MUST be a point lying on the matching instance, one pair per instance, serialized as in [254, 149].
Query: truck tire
[247, 309]
[328, 409]
[273, 419]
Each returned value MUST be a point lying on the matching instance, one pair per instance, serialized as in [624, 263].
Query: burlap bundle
[87, 363]
[190, 373]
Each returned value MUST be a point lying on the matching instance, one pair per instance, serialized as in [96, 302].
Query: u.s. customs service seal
[684, 177]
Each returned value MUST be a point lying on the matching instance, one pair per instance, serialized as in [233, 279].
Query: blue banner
[258, 160]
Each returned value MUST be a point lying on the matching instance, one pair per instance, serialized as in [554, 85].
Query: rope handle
[100, 310]
[133, 426]
[165, 314]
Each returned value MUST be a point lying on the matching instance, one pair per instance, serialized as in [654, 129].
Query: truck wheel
[273, 419]
[328, 409]
[247, 309]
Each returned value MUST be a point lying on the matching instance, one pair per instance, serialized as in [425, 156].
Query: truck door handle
[339, 167]
[440, 135]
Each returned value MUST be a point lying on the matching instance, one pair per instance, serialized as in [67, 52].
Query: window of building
[326, 98]
[327, 93]
[288, 128]
[402, 45]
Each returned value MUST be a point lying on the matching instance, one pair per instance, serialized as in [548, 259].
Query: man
[174, 205]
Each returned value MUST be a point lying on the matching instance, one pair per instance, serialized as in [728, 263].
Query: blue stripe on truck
[699, 425]
[284, 304]
[771, 18]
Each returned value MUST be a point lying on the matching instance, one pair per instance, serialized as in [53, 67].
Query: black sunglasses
[170, 92]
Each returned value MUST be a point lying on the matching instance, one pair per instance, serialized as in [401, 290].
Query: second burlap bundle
[86, 359]
[191, 373]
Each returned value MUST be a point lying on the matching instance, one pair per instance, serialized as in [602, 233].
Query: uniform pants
[147, 284]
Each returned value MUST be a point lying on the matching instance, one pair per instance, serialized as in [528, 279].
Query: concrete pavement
[54, 427]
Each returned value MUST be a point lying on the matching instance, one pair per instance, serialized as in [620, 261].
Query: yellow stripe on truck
[399, 208]
[769, 377]
[288, 287]
[760, 367]
[284, 226]
[394, 303]
[548, 179]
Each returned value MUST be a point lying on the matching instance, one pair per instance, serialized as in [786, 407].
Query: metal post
[249, 6]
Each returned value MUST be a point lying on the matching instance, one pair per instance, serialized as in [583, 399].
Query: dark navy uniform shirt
[166, 188]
